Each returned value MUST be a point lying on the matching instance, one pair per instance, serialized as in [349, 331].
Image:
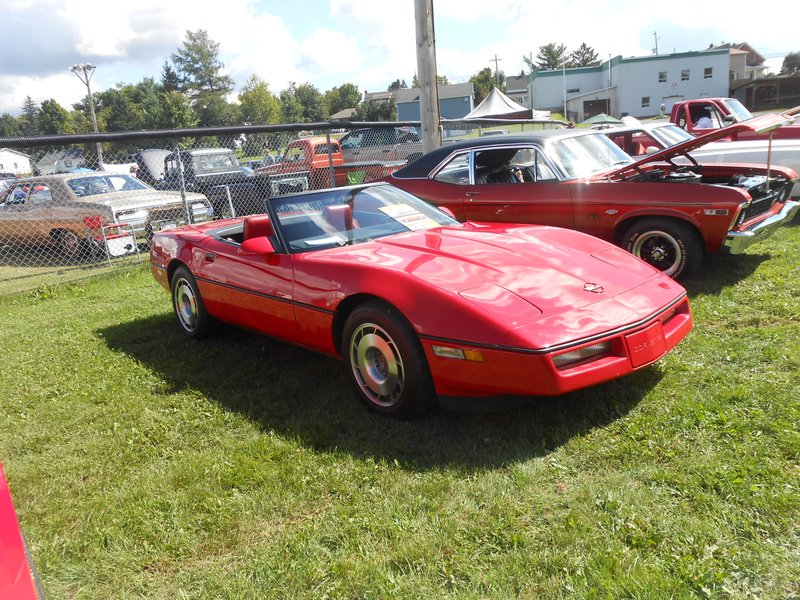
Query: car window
[18, 194]
[294, 153]
[90, 186]
[40, 194]
[456, 171]
[354, 139]
[532, 165]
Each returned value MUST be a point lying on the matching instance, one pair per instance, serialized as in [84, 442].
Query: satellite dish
[663, 109]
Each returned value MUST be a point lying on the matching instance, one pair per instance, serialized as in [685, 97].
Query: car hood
[760, 124]
[506, 270]
[140, 199]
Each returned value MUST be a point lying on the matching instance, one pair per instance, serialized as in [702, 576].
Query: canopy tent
[499, 106]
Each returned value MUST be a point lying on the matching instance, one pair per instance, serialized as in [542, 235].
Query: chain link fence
[64, 215]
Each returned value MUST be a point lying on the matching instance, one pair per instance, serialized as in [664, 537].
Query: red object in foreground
[17, 575]
[419, 306]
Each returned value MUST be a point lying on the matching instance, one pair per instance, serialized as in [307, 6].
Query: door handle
[471, 194]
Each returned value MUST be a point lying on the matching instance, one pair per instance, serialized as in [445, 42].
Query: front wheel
[385, 363]
[670, 246]
[188, 305]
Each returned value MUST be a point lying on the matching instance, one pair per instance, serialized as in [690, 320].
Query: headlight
[587, 352]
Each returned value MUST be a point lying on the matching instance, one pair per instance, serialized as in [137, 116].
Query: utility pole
[655, 37]
[84, 72]
[496, 70]
[426, 67]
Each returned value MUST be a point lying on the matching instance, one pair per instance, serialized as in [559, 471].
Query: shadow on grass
[719, 271]
[301, 394]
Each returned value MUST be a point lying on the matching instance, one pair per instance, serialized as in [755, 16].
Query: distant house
[60, 161]
[14, 161]
[455, 101]
[517, 89]
[343, 115]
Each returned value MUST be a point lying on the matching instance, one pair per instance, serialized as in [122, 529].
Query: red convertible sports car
[664, 211]
[420, 306]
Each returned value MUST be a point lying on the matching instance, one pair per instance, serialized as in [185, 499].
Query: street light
[84, 72]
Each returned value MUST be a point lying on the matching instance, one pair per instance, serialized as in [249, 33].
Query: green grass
[146, 465]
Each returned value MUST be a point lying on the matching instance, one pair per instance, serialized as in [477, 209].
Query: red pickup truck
[316, 163]
[708, 114]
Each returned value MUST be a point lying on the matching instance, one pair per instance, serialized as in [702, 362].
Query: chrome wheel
[71, 244]
[377, 365]
[186, 304]
[659, 249]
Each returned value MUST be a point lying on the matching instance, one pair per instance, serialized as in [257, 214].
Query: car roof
[423, 166]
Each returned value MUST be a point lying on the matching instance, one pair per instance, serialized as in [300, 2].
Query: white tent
[499, 106]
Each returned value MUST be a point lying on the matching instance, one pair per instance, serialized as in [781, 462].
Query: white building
[636, 86]
[14, 161]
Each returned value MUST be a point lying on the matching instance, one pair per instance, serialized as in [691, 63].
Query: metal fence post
[330, 158]
[187, 211]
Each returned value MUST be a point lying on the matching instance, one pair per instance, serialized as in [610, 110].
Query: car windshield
[104, 184]
[346, 216]
[671, 135]
[585, 155]
[738, 110]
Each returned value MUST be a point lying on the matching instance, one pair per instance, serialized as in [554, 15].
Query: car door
[535, 195]
[26, 215]
[250, 290]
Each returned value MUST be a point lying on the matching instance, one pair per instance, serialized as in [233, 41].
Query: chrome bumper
[738, 241]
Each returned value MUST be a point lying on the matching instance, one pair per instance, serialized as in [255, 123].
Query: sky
[369, 43]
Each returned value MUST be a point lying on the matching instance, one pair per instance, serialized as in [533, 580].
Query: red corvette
[419, 306]
[18, 578]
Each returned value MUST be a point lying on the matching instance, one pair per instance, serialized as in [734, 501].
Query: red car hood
[509, 269]
[760, 124]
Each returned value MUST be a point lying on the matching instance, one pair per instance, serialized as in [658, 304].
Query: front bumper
[738, 241]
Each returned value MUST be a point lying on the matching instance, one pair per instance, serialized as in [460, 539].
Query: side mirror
[651, 149]
[729, 119]
[257, 245]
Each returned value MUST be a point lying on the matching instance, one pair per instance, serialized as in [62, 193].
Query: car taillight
[93, 222]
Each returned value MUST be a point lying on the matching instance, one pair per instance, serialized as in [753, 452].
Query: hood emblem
[593, 287]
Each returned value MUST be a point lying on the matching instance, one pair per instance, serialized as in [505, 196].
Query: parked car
[18, 577]
[721, 112]
[419, 306]
[647, 138]
[581, 180]
[386, 144]
[87, 211]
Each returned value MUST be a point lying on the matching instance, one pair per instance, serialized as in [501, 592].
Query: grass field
[146, 465]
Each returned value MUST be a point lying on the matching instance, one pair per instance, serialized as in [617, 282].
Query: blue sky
[369, 43]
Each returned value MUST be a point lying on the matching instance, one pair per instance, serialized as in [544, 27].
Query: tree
[257, 104]
[791, 63]
[484, 81]
[397, 84]
[584, 56]
[176, 113]
[440, 80]
[291, 109]
[53, 119]
[342, 97]
[10, 125]
[29, 113]
[170, 81]
[302, 104]
[552, 56]
[119, 112]
[198, 66]
[376, 111]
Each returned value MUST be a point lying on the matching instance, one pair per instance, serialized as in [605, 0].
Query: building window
[708, 73]
[645, 101]
[685, 75]
[574, 90]
[662, 77]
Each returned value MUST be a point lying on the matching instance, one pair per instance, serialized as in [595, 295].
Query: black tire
[70, 244]
[670, 246]
[385, 363]
[187, 303]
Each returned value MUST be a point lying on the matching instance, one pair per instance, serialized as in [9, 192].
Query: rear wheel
[190, 311]
[670, 246]
[385, 362]
[70, 244]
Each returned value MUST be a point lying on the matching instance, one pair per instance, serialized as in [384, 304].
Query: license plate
[646, 346]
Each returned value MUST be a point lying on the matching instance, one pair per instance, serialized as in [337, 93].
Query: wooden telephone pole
[426, 68]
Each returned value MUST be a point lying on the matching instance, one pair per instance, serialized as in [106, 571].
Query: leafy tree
[29, 114]
[53, 119]
[10, 125]
[313, 103]
[584, 56]
[484, 81]
[376, 111]
[119, 111]
[291, 109]
[342, 97]
[149, 99]
[258, 104]
[791, 63]
[176, 113]
[551, 56]
[397, 84]
[198, 66]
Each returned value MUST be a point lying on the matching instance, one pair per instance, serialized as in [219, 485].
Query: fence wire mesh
[64, 215]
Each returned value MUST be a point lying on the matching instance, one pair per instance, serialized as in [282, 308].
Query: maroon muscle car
[663, 211]
[420, 306]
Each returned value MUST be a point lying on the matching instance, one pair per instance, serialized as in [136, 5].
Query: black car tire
[70, 244]
[385, 363]
[187, 303]
[670, 246]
